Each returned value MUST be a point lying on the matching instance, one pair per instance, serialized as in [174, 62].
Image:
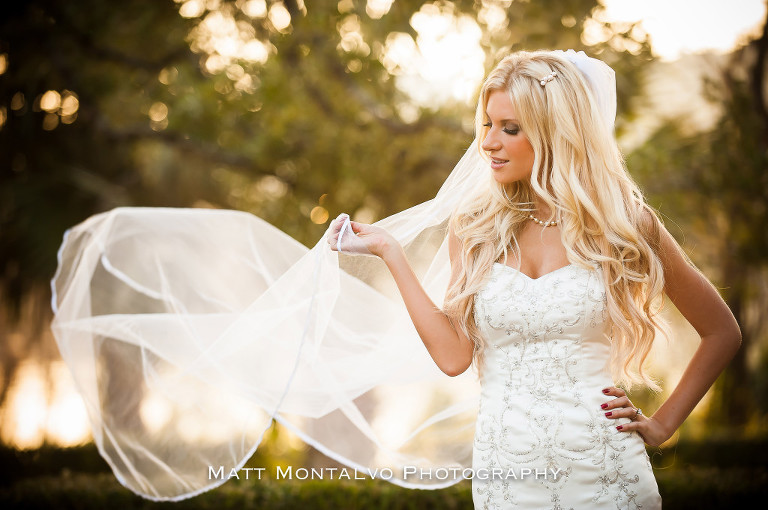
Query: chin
[502, 178]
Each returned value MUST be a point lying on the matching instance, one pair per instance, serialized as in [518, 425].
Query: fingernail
[606, 390]
[619, 427]
[604, 406]
[608, 413]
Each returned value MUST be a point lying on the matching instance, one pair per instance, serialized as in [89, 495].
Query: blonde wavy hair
[579, 172]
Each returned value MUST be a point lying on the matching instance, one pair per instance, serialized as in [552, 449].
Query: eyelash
[511, 132]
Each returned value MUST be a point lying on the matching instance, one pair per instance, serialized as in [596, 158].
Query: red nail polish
[619, 427]
[608, 413]
[604, 406]
[605, 391]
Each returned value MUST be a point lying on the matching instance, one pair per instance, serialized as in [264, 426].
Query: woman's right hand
[364, 239]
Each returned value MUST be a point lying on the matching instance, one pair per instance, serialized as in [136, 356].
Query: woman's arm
[699, 302]
[449, 347]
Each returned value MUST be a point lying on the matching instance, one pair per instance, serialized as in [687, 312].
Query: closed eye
[512, 130]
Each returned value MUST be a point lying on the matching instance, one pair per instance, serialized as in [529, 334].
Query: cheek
[522, 150]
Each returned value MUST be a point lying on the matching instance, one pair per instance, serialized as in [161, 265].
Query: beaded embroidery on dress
[545, 366]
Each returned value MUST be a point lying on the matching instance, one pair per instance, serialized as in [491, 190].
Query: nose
[491, 143]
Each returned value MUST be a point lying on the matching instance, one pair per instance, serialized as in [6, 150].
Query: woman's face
[509, 149]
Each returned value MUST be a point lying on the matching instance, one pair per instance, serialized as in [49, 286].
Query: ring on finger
[638, 412]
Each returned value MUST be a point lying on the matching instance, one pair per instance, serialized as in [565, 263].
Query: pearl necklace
[544, 224]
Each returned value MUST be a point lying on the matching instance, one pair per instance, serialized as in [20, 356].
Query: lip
[497, 163]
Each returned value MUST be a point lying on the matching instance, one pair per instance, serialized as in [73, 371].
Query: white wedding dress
[545, 366]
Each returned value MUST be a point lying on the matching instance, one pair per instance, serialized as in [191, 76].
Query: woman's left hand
[650, 430]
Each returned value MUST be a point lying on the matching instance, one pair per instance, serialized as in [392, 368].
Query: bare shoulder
[650, 226]
[677, 266]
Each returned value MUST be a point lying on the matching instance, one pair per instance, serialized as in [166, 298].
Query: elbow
[456, 369]
[733, 334]
[736, 338]
[726, 341]
[730, 339]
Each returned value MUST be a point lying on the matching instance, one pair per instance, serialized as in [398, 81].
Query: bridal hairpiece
[601, 80]
[548, 78]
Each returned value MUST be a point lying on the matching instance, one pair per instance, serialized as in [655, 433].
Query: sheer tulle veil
[188, 331]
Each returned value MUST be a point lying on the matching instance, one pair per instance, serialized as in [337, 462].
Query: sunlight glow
[67, 422]
[254, 8]
[444, 64]
[351, 36]
[255, 51]
[279, 16]
[375, 9]
[192, 8]
[225, 40]
[677, 27]
[24, 420]
[43, 405]
[155, 412]
[493, 16]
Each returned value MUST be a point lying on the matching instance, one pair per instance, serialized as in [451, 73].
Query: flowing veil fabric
[188, 331]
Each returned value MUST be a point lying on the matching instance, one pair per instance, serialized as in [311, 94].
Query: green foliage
[319, 124]
[148, 110]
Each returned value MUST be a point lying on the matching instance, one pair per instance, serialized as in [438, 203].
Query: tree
[287, 109]
[718, 181]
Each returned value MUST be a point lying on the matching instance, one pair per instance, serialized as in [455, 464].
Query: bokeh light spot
[279, 16]
[255, 51]
[17, 101]
[192, 9]
[158, 111]
[50, 101]
[254, 8]
[318, 215]
[50, 121]
[168, 75]
[375, 9]
[69, 104]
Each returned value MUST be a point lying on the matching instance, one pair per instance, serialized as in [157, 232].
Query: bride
[189, 332]
[556, 271]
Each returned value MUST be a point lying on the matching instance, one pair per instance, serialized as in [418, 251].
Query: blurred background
[298, 110]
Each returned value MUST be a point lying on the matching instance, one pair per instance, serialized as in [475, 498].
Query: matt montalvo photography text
[408, 473]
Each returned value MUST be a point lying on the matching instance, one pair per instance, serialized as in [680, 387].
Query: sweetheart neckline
[532, 278]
